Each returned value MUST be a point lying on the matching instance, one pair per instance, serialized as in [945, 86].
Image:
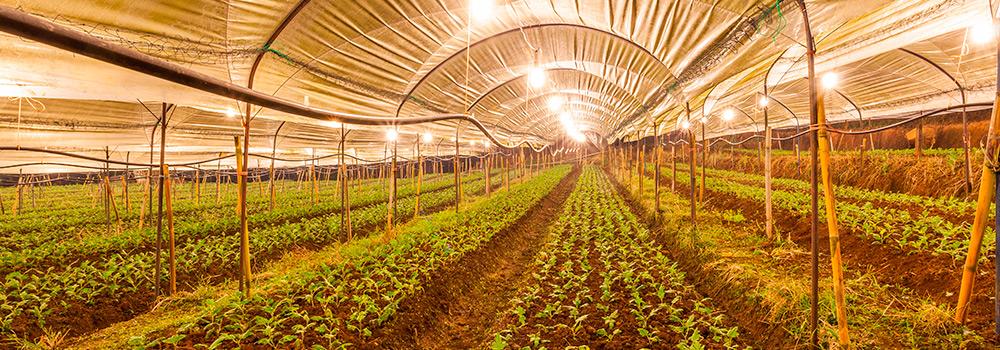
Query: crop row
[29, 299]
[602, 282]
[343, 303]
[63, 253]
[20, 233]
[923, 233]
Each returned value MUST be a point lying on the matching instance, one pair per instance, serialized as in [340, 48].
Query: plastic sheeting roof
[623, 66]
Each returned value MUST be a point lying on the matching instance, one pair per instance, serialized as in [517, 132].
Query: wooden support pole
[704, 163]
[919, 142]
[456, 168]
[656, 172]
[128, 203]
[345, 200]
[813, 176]
[172, 257]
[241, 209]
[673, 167]
[986, 192]
[389, 221]
[420, 180]
[159, 214]
[768, 209]
[832, 225]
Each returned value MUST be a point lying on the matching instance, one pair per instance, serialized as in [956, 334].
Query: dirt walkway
[463, 300]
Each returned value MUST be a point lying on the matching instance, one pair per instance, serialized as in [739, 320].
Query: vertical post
[673, 166]
[244, 264]
[270, 178]
[218, 179]
[392, 193]
[172, 258]
[996, 267]
[704, 163]
[967, 167]
[420, 180]
[919, 142]
[128, 203]
[813, 175]
[455, 168]
[656, 172]
[345, 200]
[159, 216]
[768, 208]
[314, 177]
[832, 226]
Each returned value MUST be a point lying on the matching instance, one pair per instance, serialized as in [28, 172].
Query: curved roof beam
[559, 69]
[413, 87]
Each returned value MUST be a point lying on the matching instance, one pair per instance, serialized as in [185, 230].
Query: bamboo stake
[241, 208]
[159, 215]
[420, 180]
[456, 168]
[832, 225]
[345, 201]
[986, 186]
[128, 203]
[768, 211]
[656, 172]
[168, 199]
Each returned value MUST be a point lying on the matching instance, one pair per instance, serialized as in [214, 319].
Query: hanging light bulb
[728, 115]
[481, 10]
[536, 77]
[830, 80]
[230, 112]
[486, 144]
[763, 101]
[392, 135]
[556, 103]
[685, 125]
[427, 137]
[982, 32]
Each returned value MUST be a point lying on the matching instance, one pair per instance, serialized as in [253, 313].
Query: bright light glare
[704, 120]
[230, 112]
[536, 77]
[728, 115]
[981, 33]
[486, 144]
[427, 137]
[556, 103]
[578, 136]
[392, 135]
[566, 118]
[830, 80]
[685, 125]
[763, 101]
[481, 10]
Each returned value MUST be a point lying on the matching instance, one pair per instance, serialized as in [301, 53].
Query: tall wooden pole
[986, 193]
[656, 172]
[172, 257]
[270, 178]
[813, 175]
[456, 165]
[832, 227]
[242, 157]
[159, 216]
[345, 201]
[420, 180]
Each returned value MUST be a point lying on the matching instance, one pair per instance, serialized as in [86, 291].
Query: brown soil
[460, 305]
[751, 317]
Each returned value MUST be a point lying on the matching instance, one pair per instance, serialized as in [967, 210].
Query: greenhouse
[499, 174]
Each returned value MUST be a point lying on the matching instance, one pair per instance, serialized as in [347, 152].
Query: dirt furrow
[461, 303]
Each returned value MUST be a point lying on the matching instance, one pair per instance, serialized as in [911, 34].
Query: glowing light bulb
[763, 101]
[427, 137]
[830, 80]
[556, 103]
[536, 77]
[982, 32]
[703, 120]
[685, 125]
[230, 112]
[728, 115]
[481, 10]
[486, 144]
[392, 135]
